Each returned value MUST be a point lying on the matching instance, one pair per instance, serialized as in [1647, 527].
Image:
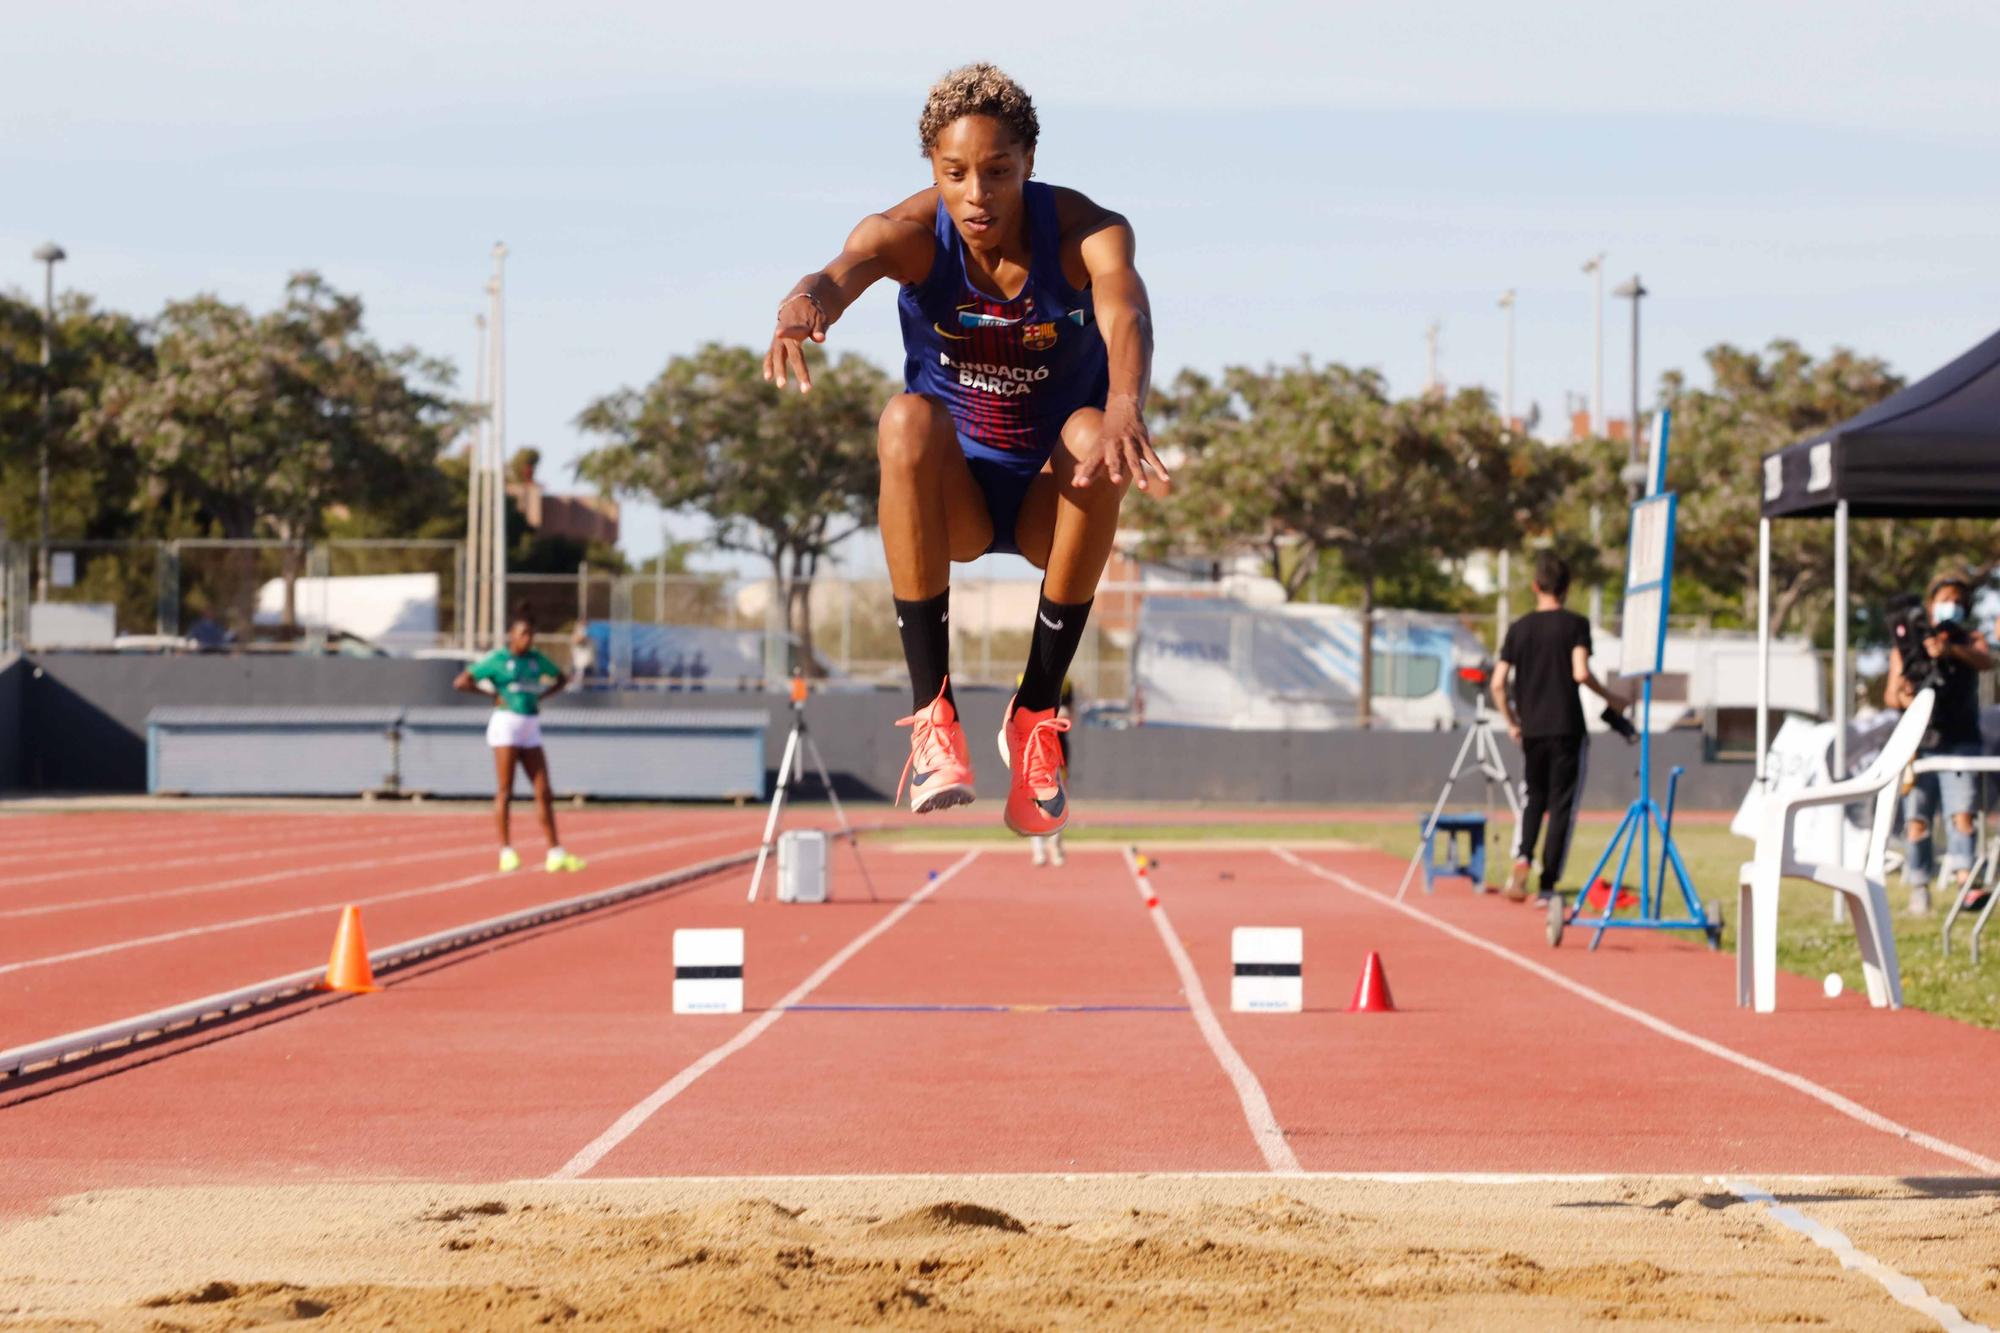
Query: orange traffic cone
[347, 969]
[1371, 993]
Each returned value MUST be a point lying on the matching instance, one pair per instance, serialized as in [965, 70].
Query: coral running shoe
[1031, 742]
[939, 772]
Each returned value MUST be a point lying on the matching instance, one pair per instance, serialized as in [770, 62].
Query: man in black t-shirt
[1546, 657]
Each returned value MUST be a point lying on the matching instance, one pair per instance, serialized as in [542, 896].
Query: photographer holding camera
[1936, 647]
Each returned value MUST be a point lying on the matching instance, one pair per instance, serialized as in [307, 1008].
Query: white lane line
[239, 923]
[271, 844]
[112, 841]
[209, 857]
[245, 881]
[626, 1125]
[1904, 1289]
[1264, 1128]
[1797, 1082]
[271, 876]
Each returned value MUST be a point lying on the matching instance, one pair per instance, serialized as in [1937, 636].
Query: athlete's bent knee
[908, 436]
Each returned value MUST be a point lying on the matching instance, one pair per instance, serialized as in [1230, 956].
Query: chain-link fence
[695, 632]
[354, 596]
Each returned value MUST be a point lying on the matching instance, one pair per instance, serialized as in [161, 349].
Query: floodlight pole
[1506, 571]
[48, 254]
[497, 434]
[1431, 384]
[1595, 268]
[472, 611]
[1634, 291]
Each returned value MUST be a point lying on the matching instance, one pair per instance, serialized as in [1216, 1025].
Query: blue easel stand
[1635, 832]
[1649, 576]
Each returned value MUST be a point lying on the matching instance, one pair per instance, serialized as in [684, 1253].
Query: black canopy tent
[1931, 450]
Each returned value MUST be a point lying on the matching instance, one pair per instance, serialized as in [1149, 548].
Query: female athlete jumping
[1028, 350]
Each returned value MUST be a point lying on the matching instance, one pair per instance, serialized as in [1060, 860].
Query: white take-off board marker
[708, 971]
[1270, 969]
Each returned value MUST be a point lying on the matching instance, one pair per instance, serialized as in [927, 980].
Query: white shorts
[521, 731]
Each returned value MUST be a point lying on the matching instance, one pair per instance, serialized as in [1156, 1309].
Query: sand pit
[990, 1253]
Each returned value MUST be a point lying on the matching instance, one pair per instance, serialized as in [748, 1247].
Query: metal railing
[700, 631]
[643, 630]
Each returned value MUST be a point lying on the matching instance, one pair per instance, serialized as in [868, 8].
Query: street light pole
[472, 611]
[496, 397]
[49, 255]
[1596, 269]
[1504, 577]
[1635, 465]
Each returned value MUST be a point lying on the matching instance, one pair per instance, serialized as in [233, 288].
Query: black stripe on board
[1268, 970]
[721, 973]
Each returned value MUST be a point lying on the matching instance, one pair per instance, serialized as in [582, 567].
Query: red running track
[139, 931]
[550, 1053]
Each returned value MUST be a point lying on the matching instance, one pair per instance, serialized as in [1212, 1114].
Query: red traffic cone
[347, 968]
[1371, 993]
[1599, 894]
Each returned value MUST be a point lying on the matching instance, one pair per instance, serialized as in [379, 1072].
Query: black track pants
[1552, 783]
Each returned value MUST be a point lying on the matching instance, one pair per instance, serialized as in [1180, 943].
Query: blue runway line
[986, 1009]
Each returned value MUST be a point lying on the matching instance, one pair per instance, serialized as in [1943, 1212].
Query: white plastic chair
[1759, 880]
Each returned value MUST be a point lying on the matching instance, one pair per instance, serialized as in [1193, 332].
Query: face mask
[1946, 612]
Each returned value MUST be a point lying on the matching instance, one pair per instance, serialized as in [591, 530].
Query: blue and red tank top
[1010, 372]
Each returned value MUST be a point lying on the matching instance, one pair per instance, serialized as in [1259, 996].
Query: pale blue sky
[1304, 178]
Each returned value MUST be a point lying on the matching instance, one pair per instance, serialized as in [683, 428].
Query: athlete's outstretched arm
[1125, 319]
[883, 246]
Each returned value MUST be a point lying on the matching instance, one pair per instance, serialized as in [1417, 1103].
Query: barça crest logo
[1038, 337]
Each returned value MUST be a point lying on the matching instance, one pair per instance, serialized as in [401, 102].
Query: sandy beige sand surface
[993, 1253]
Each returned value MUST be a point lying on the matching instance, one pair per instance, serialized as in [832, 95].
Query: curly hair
[979, 89]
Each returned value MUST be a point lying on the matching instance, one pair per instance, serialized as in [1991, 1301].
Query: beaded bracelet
[796, 296]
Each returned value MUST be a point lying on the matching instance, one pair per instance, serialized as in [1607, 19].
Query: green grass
[1810, 942]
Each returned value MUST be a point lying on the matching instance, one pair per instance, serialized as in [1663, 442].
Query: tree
[1306, 462]
[258, 424]
[1759, 403]
[784, 475]
[95, 493]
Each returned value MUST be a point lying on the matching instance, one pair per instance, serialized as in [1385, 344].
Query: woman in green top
[519, 678]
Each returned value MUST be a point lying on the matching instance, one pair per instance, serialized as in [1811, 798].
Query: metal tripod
[792, 768]
[1482, 748]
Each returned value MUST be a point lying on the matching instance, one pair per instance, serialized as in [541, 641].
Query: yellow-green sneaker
[559, 859]
[510, 860]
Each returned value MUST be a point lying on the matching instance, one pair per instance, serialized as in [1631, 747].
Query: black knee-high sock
[926, 645]
[1058, 631]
